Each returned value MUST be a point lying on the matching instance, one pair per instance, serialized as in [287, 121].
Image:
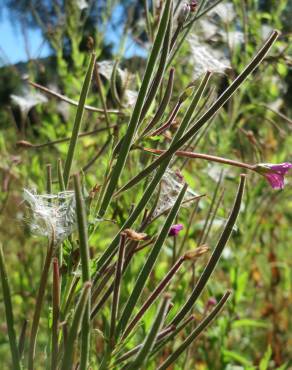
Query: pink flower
[274, 173]
[175, 229]
[211, 302]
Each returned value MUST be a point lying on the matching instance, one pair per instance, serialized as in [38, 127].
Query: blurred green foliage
[254, 330]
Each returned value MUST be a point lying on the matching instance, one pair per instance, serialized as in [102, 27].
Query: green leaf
[9, 313]
[215, 256]
[264, 364]
[78, 120]
[223, 98]
[144, 353]
[232, 355]
[134, 120]
[249, 323]
[149, 264]
[195, 333]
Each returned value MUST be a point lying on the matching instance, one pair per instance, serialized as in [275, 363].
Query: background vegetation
[254, 329]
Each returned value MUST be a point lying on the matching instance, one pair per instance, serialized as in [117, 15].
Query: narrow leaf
[149, 264]
[78, 120]
[223, 98]
[9, 313]
[134, 120]
[198, 330]
[85, 266]
[215, 255]
[142, 356]
[72, 335]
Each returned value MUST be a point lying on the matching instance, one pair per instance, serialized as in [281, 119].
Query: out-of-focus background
[48, 42]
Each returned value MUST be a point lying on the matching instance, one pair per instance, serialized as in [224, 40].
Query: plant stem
[161, 335]
[78, 120]
[22, 337]
[163, 104]
[9, 313]
[28, 145]
[39, 302]
[141, 359]
[198, 330]
[101, 94]
[116, 294]
[223, 98]
[157, 176]
[72, 335]
[154, 295]
[56, 313]
[134, 120]
[207, 157]
[49, 178]
[149, 264]
[71, 101]
[60, 178]
[214, 257]
[85, 266]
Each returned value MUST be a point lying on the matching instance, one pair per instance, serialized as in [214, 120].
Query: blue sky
[12, 42]
[13, 47]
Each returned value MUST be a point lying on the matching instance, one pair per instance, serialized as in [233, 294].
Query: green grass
[121, 292]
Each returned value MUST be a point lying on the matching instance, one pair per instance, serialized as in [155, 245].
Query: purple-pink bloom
[274, 173]
[175, 229]
[211, 302]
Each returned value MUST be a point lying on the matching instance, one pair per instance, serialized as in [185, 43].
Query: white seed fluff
[51, 213]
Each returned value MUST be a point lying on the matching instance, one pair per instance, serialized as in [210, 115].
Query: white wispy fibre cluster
[27, 100]
[171, 185]
[207, 59]
[105, 68]
[217, 36]
[51, 214]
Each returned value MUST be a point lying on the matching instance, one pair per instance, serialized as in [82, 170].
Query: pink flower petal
[175, 229]
[275, 180]
[274, 173]
[282, 168]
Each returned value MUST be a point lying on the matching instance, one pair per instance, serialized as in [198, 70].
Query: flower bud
[183, 14]
[193, 5]
[24, 144]
[175, 229]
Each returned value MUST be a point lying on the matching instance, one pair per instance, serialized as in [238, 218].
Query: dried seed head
[133, 235]
[193, 5]
[197, 253]
[183, 14]
[171, 185]
[52, 213]
[24, 144]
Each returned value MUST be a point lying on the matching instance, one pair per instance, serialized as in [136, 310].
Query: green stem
[38, 304]
[78, 120]
[141, 359]
[9, 313]
[198, 330]
[60, 177]
[224, 97]
[72, 335]
[116, 294]
[215, 256]
[85, 266]
[56, 313]
[49, 178]
[163, 104]
[101, 94]
[160, 71]
[73, 102]
[207, 157]
[157, 176]
[134, 120]
[149, 264]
